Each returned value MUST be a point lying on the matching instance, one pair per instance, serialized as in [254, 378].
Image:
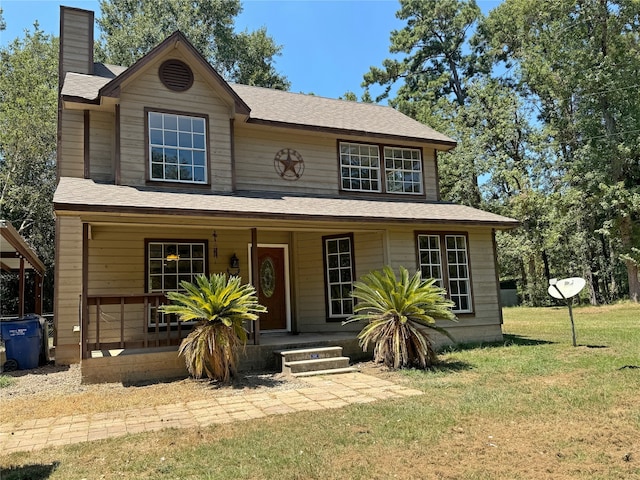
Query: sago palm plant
[397, 311]
[221, 305]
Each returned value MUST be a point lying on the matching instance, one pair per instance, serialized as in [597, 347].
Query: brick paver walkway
[330, 391]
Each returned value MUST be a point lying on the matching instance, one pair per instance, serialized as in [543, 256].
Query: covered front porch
[124, 337]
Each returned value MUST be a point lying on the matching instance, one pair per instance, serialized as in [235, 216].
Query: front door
[272, 291]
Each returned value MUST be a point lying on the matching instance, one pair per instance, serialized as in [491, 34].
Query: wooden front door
[272, 292]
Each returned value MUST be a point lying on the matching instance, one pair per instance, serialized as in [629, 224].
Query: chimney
[76, 41]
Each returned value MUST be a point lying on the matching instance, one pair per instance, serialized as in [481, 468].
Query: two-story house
[167, 171]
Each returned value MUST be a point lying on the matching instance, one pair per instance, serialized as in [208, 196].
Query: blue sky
[328, 45]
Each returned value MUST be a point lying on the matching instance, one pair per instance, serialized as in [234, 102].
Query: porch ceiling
[83, 195]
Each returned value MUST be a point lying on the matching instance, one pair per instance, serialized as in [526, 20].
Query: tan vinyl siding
[101, 143]
[146, 91]
[368, 249]
[117, 262]
[257, 146]
[71, 144]
[485, 294]
[77, 34]
[310, 288]
[309, 274]
[68, 288]
[429, 174]
[117, 254]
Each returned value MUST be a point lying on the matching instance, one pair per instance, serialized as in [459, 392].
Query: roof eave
[13, 238]
[108, 209]
[447, 145]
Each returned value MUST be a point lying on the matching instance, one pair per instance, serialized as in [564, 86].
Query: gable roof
[265, 105]
[82, 87]
[79, 194]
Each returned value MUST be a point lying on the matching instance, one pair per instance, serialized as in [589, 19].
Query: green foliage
[6, 381]
[221, 305]
[28, 118]
[578, 62]
[537, 95]
[396, 310]
[131, 28]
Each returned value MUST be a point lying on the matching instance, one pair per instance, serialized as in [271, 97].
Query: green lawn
[533, 407]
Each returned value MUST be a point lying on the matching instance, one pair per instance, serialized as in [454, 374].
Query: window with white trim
[445, 257]
[339, 275]
[169, 264]
[177, 148]
[360, 169]
[403, 170]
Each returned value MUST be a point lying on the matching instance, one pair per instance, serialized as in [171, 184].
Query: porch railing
[126, 321]
[132, 321]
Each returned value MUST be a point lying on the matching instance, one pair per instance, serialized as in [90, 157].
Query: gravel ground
[57, 380]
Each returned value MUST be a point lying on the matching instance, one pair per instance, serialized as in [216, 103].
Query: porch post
[21, 283]
[255, 280]
[39, 279]
[84, 312]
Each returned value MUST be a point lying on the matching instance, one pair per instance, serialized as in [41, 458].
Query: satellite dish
[565, 288]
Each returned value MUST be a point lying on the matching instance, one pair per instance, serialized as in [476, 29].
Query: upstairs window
[177, 147]
[361, 169]
[403, 170]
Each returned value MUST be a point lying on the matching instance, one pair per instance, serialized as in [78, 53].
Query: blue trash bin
[23, 342]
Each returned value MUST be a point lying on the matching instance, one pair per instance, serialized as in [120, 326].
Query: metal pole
[573, 328]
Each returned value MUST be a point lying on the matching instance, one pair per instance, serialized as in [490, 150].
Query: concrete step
[309, 354]
[317, 364]
[325, 372]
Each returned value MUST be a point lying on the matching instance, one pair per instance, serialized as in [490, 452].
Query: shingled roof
[297, 109]
[78, 194]
[284, 109]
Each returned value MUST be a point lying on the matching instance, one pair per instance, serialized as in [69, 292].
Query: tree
[435, 75]
[28, 106]
[221, 306]
[448, 84]
[131, 28]
[579, 62]
[396, 311]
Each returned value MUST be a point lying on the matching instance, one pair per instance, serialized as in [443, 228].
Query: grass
[6, 381]
[530, 407]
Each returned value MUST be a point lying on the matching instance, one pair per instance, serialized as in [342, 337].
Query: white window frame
[395, 170]
[190, 147]
[455, 274]
[399, 163]
[335, 276]
[361, 163]
[167, 265]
